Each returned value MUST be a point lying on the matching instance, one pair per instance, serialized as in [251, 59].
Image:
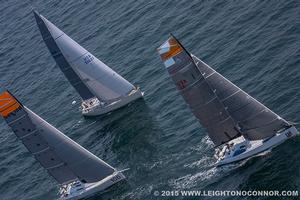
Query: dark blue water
[256, 44]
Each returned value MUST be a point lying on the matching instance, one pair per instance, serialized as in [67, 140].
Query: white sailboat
[238, 124]
[102, 90]
[79, 172]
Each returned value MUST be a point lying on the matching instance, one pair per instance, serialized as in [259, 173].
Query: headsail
[101, 80]
[222, 108]
[255, 120]
[64, 159]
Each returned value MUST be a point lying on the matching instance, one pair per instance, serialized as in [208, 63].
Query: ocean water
[254, 43]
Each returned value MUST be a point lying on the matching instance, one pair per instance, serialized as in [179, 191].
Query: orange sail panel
[170, 49]
[8, 104]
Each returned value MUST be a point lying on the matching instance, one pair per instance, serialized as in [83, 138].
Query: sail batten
[225, 110]
[98, 79]
[64, 159]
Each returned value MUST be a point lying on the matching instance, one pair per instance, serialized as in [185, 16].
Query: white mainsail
[64, 159]
[102, 81]
[225, 110]
[61, 61]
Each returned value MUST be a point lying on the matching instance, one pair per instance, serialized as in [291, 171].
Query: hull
[91, 189]
[100, 110]
[242, 149]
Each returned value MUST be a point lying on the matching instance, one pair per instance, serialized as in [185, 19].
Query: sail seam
[56, 166]
[28, 134]
[49, 37]
[210, 75]
[203, 105]
[58, 36]
[41, 151]
[16, 119]
[231, 95]
[224, 119]
[193, 84]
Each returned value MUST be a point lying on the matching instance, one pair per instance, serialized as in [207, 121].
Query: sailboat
[238, 125]
[79, 173]
[102, 89]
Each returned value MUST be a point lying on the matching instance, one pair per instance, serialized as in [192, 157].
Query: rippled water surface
[256, 44]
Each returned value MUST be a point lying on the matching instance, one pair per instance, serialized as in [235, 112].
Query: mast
[221, 107]
[101, 81]
[64, 159]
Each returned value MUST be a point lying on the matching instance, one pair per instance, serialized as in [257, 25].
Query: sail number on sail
[116, 178]
[181, 84]
[88, 58]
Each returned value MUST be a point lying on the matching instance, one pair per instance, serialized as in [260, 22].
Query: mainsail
[61, 61]
[225, 110]
[64, 159]
[101, 81]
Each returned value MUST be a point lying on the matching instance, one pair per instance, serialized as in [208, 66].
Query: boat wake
[205, 161]
[192, 180]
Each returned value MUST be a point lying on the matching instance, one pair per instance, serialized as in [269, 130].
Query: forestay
[101, 80]
[63, 158]
[221, 107]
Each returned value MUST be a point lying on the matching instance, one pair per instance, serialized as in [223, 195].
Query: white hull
[242, 149]
[91, 189]
[100, 110]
